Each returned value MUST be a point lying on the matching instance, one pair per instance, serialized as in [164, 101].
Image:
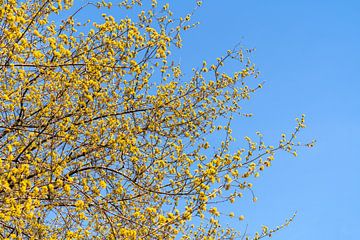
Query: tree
[101, 135]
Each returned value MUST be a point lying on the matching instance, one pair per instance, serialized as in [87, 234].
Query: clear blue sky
[309, 55]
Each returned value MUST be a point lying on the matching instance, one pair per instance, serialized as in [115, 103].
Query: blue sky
[309, 54]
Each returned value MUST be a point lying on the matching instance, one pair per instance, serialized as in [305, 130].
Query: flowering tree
[102, 137]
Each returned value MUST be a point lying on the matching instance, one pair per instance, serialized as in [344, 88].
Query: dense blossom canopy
[103, 137]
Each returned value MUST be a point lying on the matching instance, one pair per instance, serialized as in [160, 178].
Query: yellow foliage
[100, 134]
